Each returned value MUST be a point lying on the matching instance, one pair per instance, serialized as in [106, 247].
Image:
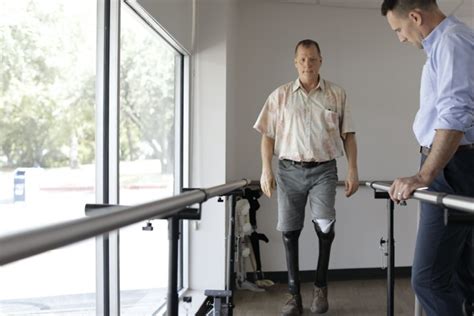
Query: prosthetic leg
[294, 306]
[320, 292]
[325, 242]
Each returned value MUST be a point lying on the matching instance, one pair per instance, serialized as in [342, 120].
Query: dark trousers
[443, 266]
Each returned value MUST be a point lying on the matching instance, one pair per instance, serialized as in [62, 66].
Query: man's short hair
[307, 43]
[402, 7]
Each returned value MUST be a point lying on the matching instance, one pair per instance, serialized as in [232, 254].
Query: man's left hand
[352, 184]
[403, 188]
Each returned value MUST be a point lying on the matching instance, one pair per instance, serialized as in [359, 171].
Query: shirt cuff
[344, 133]
[450, 124]
[263, 131]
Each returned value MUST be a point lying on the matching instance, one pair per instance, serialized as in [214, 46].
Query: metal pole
[450, 201]
[390, 250]
[231, 280]
[172, 302]
[391, 259]
[418, 308]
[103, 274]
[25, 244]
[457, 202]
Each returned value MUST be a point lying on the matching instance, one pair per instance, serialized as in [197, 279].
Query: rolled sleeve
[346, 124]
[455, 104]
[266, 121]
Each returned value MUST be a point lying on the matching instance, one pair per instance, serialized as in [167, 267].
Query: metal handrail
[451, 201]
[26, 244]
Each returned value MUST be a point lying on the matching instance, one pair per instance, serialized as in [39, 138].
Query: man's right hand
[267, 182]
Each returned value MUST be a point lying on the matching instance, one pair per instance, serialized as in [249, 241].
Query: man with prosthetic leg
[307, 124]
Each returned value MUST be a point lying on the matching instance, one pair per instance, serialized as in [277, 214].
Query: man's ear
[416, 17]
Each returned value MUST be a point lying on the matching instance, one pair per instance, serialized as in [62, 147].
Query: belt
[306, 164]
[426, 150]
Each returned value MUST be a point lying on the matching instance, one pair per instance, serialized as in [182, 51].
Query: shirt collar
[432, 38]
[297, 84]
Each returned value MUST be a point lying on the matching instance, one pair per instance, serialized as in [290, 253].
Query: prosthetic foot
[320, 303]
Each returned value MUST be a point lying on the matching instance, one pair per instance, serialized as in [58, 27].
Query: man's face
[406, 28]
[307, 62]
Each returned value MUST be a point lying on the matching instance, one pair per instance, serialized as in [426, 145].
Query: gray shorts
[295, 184]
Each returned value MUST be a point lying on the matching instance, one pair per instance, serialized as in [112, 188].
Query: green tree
[47, 89]
[147, 97]
[41, 109]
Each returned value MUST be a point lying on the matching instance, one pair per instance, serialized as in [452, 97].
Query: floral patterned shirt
[306, 126]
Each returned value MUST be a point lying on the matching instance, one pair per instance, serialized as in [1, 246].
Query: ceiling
[463, 8]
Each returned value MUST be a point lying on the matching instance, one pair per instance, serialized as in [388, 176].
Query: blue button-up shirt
[447, 83]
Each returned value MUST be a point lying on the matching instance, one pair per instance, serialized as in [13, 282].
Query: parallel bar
[26, 244]
[452, 201]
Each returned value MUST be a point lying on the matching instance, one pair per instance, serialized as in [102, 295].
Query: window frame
[107, 143]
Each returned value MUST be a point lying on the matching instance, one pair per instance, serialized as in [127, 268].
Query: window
[149, 102]
[47, 147]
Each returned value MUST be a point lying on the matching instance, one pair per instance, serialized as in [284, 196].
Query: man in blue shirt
[442, 272]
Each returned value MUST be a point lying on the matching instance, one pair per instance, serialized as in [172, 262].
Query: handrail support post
[391, 259]
[391, 250]
[173, 236]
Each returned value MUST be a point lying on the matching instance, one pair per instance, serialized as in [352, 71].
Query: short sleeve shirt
[306, 126]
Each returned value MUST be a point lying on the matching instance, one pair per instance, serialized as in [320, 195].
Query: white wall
[210, 84]
[381, 78]
[176, 16]
[465, 12]
[208, 158]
